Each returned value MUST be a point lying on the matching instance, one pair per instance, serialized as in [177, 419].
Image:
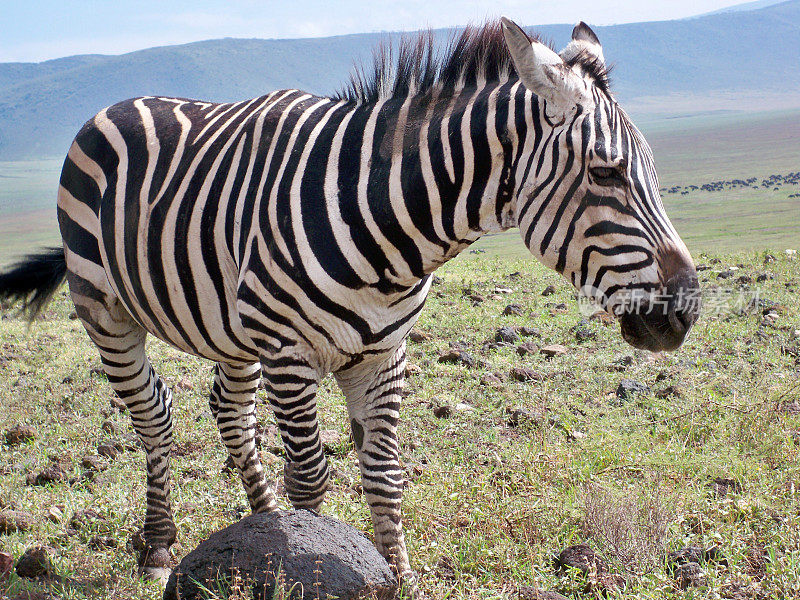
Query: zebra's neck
[434, 174]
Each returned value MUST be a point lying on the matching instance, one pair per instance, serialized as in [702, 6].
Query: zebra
[292, 236]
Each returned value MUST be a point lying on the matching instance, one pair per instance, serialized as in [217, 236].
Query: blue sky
[43, 29]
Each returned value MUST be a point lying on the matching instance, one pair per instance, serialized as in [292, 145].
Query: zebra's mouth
[650, 331]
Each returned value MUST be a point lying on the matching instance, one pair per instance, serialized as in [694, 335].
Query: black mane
[478, 53]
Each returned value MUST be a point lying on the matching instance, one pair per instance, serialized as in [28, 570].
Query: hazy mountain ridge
[42, 105]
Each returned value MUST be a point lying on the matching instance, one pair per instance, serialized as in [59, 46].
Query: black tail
[34, 280]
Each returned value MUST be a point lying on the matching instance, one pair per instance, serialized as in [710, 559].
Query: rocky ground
[542, 453]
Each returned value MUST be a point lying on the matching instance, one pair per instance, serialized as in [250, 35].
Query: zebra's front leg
[232, 403]
[292, 389]
[373, 402]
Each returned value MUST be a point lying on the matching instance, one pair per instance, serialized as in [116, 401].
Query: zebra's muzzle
[662, 322]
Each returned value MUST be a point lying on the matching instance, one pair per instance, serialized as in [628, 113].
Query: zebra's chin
[649, 332]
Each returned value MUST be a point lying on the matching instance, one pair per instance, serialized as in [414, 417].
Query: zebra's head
[587, 196]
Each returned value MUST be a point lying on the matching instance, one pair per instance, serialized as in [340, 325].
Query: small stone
[52, 474]
[55, 514]
[15, 520]
[549, 290]
[529, 332]
[412, 369]
[109, 427]
[605, 318]
[332, 442]
[6, 566]
[443, 412]
[491, 379]
[93, 463]
[512, 310]
[685, 555]
[553, 350]
[724, 485]
[526, 592]
[527, 348]
[184, 385]
[107, 450]
[418, 337]
[583, 334]
[581, 557]
[73, 316]
[507, 335]
[629, 388]
[464, 407]
[84, 518]
[100, 542]
[671, 391]
[118, 404]
[502, 290]
[689, 575]
[727, 274]
[525, 374]
[35, 562]
[522, 416]
[455, 356]
[20, 434]
[476, 298]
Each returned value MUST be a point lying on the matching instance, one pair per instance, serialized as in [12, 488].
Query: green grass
[487, 505]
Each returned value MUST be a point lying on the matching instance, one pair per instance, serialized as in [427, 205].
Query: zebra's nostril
[684, 299]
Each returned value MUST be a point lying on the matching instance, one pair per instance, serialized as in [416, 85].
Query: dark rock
[314, 553]
[526, 592]
[35, 562]
[418, 336]
[107, 450]
[529, 332]
[512, 309]
[456, 356]
[671, 391]
[583, 334]
[553, 350]
[476, 298]
[724, 485]
[523, 416]
[525, 374]
[444, 411]
[549, 290]
[527, 348]
[52, 474]
[581, 557]
[622, 363]
[689, 575]
[491, 379]
[685, 555]
[84, 518]
[506, 335]
[15, 520]
[725, 274]
[629, 388]
[109, 427]
[100, 542]
[93, 463]
[6, 566]
[20, 434]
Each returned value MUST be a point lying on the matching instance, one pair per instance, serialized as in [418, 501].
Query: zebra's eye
[607, 176]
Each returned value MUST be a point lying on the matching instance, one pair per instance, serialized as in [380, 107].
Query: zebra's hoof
[159, 575]
[408, 588]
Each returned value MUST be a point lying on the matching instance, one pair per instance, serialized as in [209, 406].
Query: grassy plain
[487, 504]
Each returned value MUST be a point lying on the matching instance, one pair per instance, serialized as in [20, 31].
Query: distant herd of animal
[774, 182]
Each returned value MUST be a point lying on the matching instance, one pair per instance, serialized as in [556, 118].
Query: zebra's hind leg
[292, 387]
[233, 405]
[121, 342]
[373, 403]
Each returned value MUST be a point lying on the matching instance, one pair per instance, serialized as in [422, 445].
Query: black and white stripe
[291, 236]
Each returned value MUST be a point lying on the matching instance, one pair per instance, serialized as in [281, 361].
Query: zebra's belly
[182, 304]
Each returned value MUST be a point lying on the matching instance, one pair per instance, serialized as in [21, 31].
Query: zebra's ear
[584, 41]
[541, 70]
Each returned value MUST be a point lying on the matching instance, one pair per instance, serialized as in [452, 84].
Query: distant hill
[42, 105]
